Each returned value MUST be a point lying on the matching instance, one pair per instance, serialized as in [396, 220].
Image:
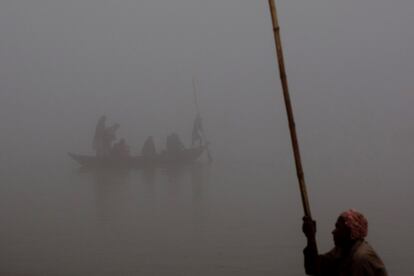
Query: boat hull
[137, 162]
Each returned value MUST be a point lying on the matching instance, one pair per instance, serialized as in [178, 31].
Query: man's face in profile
[341, 233]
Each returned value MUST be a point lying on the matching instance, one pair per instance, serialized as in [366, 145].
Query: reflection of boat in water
[182, 157]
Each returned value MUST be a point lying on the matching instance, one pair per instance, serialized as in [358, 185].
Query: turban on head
[357, 223]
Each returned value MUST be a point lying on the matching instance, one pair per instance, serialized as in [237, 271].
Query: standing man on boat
[351, 256]
[197, 133]
[98, 138]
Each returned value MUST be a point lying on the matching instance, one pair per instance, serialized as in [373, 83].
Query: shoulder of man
[366, 259]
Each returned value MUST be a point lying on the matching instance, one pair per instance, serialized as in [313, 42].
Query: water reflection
[186, 187]
[199, 176]
[145, 220]
[149, 181]
[151, 194]
[174, 175]
[111, 194]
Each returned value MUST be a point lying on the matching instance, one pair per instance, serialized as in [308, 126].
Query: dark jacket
[360, 261]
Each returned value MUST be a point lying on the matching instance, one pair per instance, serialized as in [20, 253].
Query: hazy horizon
[349, 66]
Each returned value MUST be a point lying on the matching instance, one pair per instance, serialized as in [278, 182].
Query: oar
[210, 158]
[289, 110]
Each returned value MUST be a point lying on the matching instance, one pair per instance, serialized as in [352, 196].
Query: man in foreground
[351, 256]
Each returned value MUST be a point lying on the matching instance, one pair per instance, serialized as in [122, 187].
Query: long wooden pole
[195, 96]
[210, 158]
[293, 136]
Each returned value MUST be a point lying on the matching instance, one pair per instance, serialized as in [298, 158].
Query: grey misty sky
[64, 63]
[350, 68]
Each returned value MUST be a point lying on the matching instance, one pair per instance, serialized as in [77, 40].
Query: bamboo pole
[195, 96]
[289, 110]
[209, 157]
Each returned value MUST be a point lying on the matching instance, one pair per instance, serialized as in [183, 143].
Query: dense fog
[63, 64]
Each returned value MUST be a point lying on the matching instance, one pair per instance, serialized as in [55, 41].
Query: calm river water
[230, 218]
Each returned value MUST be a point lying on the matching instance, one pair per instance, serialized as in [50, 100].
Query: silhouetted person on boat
[351, 256]
[98, 138]
[148, 149]
[197, 133]
[109, 137]
[120, 149]
[174, 144]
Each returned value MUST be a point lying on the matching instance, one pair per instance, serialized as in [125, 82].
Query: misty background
[65, 63]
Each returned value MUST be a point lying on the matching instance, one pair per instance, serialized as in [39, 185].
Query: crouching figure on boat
[148, 149]
[120, 149]
[174, 145]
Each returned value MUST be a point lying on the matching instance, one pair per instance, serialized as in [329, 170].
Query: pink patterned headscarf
[357, 223]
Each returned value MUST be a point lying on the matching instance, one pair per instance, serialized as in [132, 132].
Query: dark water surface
[230, 218]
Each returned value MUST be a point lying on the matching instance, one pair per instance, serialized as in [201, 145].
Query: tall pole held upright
[210, 158]
[289, 110]
[195, 96]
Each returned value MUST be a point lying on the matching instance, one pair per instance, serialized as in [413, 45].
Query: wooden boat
[165, 158]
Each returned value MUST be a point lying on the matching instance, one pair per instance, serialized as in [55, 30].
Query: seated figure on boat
[148, 149]
[120, 149]
[174, 144]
